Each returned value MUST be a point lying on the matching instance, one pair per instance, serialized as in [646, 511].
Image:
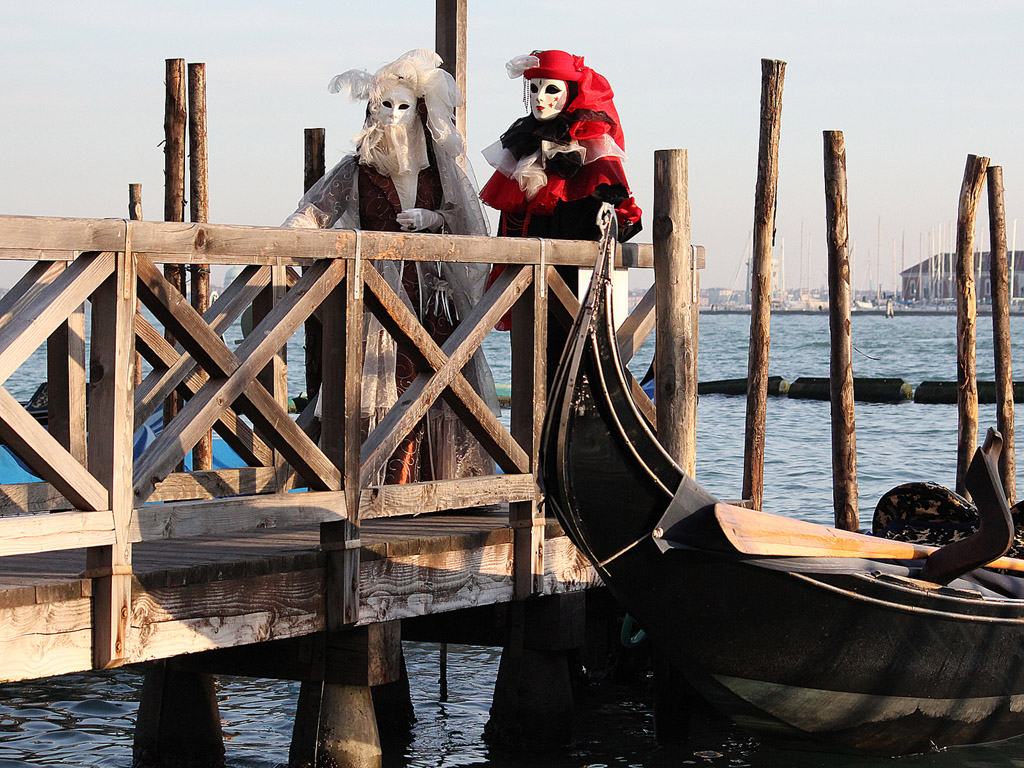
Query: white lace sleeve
[332, 201]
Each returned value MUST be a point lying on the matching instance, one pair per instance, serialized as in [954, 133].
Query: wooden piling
[174, 184]
[178, 721]
[110, 430]
[531, 343]
[772, 76]
[966, 318]
[1001, 331]
[676, 333]
[135, 214]
[450, 43]
[199, 210]
[313, 170]
[174, 141]
[844, 436]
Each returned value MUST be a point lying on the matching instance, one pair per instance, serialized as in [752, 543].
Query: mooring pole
[450, 43]
[772, 76]
[844, 436]
[1001, 330]
[174, 184]
[676, 334]
[135, 214]
[313, 171]
[966, 318]
[199, 210]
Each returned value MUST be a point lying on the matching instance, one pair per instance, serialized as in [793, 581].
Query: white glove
[416, 219]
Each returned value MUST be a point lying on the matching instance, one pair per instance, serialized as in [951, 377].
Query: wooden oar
[759, 533]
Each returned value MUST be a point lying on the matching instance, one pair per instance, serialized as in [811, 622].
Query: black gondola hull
[846, 655]
[829, 660]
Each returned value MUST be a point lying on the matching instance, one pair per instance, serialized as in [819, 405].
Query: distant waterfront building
[935, 277]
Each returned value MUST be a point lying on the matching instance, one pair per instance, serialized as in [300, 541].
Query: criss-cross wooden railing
[95, 494]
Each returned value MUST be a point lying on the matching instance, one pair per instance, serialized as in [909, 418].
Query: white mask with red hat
[547, 97]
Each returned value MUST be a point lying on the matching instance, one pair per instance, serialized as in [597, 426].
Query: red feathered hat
[556, 65]
[594, 92]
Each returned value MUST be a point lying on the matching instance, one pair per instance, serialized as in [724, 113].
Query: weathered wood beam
[66, 383]
[185, 519]
[404, 326]
[38, 237]
[29, 534]
[53, 304]
[111, 433]
[45, 638]
[225, 311]
[38, 276]
[215, 483]
[416, 498]
[236, 377]
[236, 433]
[48, 458]
[529, 394]
[426, 388]
[47, 238]
[19, 498]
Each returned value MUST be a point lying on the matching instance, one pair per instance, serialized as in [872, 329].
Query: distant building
[935, 277]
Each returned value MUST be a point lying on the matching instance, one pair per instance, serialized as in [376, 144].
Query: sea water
[87, 720]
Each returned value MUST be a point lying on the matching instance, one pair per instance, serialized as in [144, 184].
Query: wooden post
[676, 339]
[313, 171]
[533, 706]
[174, 184]
[966, 318]
[844, 435]
[274, 377]
[178, 721]
[341, 440]
[450, 44]
[65, 385]
[135, 214]
[111, 427]
[529, 393]
[1001, 331]
[772, 76]
[199, 209]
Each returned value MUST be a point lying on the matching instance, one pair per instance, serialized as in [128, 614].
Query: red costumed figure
[558, 164]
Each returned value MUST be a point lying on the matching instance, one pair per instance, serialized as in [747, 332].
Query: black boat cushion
[928, 513]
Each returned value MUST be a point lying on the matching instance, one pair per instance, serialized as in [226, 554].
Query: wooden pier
[118, 559]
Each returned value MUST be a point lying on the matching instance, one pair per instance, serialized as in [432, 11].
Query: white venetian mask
[397, 107]
[547, 97]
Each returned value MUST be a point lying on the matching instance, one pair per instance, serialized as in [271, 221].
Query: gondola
[804, 635]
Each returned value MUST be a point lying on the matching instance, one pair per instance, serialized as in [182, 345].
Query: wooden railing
[95, 495]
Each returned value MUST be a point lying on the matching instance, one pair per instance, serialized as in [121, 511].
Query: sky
[914, 86]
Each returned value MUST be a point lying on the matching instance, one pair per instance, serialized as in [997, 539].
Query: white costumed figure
[409, 173]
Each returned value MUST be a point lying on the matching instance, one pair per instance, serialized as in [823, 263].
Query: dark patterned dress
[379, 206]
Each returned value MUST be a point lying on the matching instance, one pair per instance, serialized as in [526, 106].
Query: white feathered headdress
[420, 71]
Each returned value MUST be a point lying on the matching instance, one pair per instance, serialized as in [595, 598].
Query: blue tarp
[14, 470]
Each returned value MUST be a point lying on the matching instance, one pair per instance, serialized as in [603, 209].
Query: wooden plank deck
[211, 592]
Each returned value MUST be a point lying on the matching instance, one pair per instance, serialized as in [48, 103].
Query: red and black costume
[577, 181]
[580, 152]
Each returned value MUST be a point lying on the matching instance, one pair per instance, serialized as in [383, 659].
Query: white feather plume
[516, 67]
[355, 84]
